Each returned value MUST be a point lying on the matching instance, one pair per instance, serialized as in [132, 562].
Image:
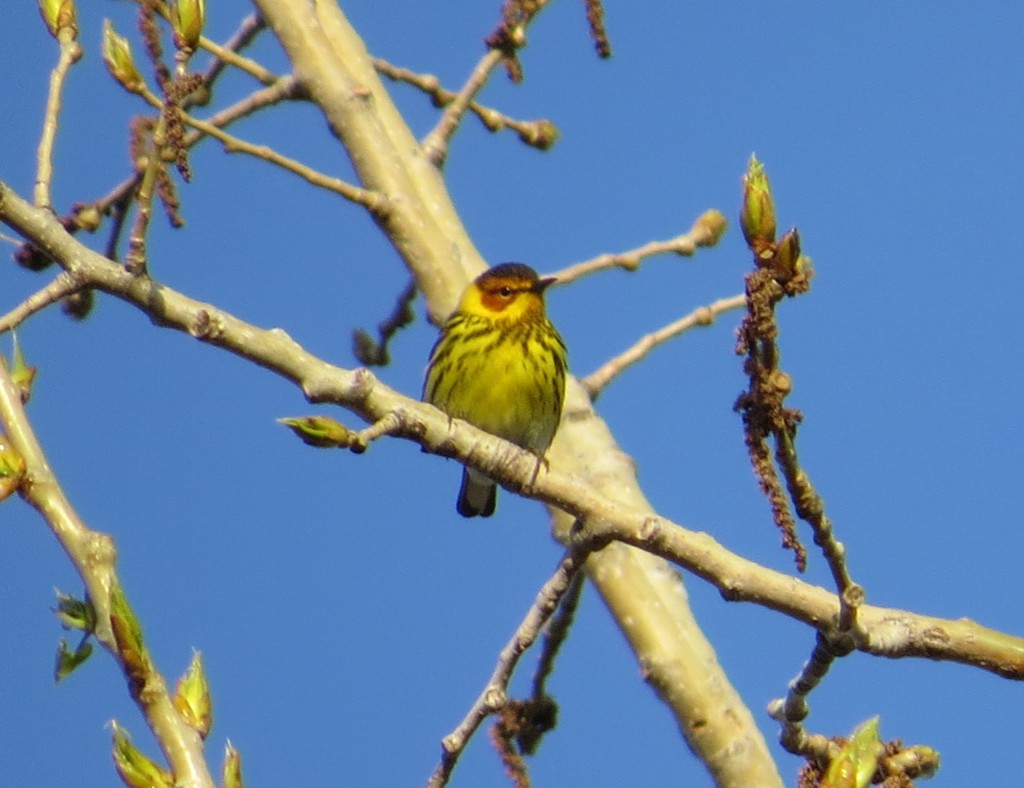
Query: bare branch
[880, 631]
[374, 352]
[70, 53]
[596, 381]
[232, 144]
[706, 231]
[495, 694]
[540, 134]
[63, 285]
[227, 54]
[435, 144]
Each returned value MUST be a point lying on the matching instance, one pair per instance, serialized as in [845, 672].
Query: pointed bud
[75, 613]
[68, 661]
[231, 775]
[324, 433]
[757, 216]
[192, 697]
[21, 373]
[136, 769]
[857, 761]
[128, 639]
[710, 226]
[187, 19]
[117, 54]
[58, 15]
[12, 468]
[787, 255]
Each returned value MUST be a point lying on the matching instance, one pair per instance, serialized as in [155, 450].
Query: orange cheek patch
[494, 302]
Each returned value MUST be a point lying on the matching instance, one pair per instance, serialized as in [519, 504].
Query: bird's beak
[545, 283]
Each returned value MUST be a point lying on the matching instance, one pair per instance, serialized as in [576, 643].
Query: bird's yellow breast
[503, 376]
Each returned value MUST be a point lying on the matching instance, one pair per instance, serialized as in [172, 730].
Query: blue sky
[347, 616]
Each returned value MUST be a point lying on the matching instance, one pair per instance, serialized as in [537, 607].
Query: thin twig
[227, 51]
[63, 285]
[120, 213]
[373, 201]
[70, 53]
[706, 231]
[284, 89]
[540, 134]
[374, 352]
[810, 507]
[820, 750]
[793, 709]
[596, 381]
[555, 636]
[495, 694]
[249, 28]
[388, 425]
[249, 66]
[135, 259]
[529, 720]
[780, 272]
[502, 43]
[435, 144]
[119, 196]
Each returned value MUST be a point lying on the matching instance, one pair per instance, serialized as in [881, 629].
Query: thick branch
[881, 631]
[336, 72]
[332, 65]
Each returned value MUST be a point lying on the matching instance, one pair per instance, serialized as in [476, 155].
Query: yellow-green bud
[128, 638]
[917, 761]
[21, 373]
[75, 613]
[757, 217]
[712, 226]
[58, 15]
[323, 432]
[187, 19]
[12, 468]
[857, 761]
[68, 661]
[541, 134]
[87, 217]
[231, 775]
[117, 54]
[136, 769]
[192, 697]
[787, 255]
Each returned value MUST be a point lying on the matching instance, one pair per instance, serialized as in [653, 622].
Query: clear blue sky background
[348, 617]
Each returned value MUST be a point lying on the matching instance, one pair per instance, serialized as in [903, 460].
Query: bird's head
[509, 291]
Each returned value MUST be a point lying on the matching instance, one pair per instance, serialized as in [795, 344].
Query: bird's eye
[505, 292]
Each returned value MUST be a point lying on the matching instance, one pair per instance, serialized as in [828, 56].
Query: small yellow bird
[500, 365]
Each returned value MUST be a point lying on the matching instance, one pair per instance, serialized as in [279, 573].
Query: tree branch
[881, 631]
[93, 556]
[63, 285]
[540, 134]
[70, 53]
[495, 695]
[233, 144]
[596, 381]
[706, 231]
[336, 72]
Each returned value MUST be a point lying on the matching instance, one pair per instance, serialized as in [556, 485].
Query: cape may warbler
[500, 365]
